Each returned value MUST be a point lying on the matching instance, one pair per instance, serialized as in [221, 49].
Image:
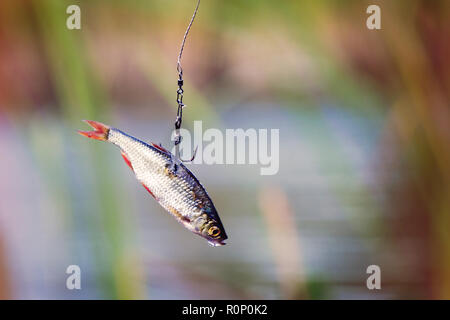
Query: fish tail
[100, 133]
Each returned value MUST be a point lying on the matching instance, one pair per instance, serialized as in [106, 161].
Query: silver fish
[174, 187]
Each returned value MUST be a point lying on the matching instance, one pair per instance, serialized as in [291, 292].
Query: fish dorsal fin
[127, 161]
[159, 147]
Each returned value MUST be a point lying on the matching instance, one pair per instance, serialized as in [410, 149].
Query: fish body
[166, 178]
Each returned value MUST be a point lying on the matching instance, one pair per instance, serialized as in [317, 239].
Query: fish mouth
[217, 243]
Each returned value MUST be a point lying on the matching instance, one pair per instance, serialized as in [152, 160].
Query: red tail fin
[100, 133]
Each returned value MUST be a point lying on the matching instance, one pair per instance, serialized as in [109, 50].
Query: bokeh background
[364, 148]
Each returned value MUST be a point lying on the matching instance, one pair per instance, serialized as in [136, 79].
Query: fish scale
[168, 180]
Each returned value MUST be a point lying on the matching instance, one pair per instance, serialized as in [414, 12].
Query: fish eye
[214, 231]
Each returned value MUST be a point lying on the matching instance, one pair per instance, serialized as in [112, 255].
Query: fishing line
[179, 68]
[180, 91]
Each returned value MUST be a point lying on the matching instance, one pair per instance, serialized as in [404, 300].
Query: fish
[168, 180]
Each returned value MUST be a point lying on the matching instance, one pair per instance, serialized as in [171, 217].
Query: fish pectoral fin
[127, 161]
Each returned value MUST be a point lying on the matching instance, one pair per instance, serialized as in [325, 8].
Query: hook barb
[193, 156]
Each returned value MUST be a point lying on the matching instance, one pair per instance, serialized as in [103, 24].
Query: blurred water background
[364, 148]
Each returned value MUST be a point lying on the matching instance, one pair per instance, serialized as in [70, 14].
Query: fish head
[211, 229]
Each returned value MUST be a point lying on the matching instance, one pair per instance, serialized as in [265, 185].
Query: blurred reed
[284, 242]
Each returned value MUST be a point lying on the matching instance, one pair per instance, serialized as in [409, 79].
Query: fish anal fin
[127, 161]
[149, 191]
